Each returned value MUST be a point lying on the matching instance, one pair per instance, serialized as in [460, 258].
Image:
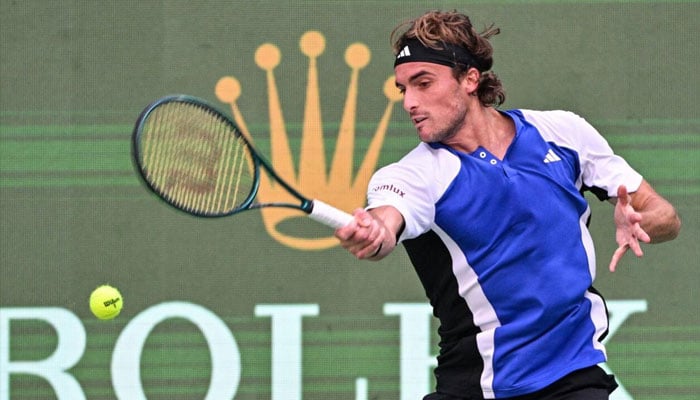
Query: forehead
[411, 70]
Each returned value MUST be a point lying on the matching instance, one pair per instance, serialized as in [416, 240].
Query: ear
[470, 81]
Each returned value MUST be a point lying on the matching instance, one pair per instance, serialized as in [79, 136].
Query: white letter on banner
[620, 310]
[223, 349]
[416, 360]
[69, 350]
[286, 346]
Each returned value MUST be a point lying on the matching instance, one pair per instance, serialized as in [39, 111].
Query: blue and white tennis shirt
[503, 251]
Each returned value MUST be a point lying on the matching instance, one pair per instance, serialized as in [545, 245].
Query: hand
[363, 237]
[628, 232]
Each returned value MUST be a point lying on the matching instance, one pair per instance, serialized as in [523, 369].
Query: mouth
[418, 119]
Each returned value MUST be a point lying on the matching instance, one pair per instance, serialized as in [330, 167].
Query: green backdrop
[219, 307]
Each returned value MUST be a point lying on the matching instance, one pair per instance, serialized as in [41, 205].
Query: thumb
[363, 217]
[622, 194]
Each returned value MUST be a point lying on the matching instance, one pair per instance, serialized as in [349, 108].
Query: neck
[484, 127]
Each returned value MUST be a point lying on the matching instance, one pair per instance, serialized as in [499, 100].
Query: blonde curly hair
[435, 28]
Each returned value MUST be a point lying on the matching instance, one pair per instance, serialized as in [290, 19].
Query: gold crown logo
[339, 187]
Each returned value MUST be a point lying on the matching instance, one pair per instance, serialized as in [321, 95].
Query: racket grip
[329, 215]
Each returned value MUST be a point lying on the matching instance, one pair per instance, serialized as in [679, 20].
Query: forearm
[659, 218]
[660, 222]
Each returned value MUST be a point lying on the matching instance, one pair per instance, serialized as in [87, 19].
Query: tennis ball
[106, 302]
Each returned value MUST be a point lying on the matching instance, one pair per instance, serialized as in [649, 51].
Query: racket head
[194, 157]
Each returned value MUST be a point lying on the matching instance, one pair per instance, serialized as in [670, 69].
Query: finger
[636, 248]
[371, 250]
[353, 236]
[642, 235]
[634, 218]
[369, 247]
[376, 252]
[366, 252]
[617, 255]
[346, 232]
[359, 249]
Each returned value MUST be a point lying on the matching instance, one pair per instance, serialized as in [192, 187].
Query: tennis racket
[197, 160]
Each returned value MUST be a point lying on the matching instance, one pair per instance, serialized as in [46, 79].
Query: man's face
[436, 102]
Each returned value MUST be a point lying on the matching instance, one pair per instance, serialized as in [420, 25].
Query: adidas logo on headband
[449, 55]
[406, 52]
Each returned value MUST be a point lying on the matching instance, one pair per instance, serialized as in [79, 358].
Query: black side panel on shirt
[601, 194]
[459, 364]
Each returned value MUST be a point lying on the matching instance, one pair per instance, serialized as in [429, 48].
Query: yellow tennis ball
[106, 302]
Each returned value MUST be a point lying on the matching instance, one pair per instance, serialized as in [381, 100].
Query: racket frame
[324, 213]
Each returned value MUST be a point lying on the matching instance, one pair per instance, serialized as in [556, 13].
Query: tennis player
[489, 207]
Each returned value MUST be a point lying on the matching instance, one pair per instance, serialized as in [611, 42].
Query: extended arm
[642, 216]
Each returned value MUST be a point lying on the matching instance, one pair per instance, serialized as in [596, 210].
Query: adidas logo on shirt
[551, 157]
[405, 52]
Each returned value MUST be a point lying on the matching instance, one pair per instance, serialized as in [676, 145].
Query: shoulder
[425, 163]
[601, 169]
[564, 128]
[556, 124]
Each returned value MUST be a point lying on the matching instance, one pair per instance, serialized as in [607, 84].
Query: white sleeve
[600, 167]
[412, 186]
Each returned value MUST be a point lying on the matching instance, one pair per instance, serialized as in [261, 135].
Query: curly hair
[435, 28]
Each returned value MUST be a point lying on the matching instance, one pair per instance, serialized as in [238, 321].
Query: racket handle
[329, 215]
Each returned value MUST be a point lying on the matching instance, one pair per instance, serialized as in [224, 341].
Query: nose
[409, 101]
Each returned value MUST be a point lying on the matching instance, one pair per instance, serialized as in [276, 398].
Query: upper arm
[404, 193]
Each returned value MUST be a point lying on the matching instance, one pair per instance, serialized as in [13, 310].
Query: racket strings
[196, 159]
